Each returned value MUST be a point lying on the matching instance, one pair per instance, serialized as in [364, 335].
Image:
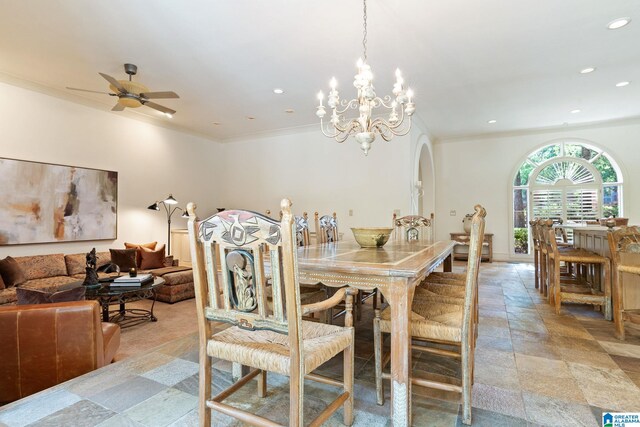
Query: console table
[461, 249]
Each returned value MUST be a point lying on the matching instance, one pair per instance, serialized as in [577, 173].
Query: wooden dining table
[395, 269]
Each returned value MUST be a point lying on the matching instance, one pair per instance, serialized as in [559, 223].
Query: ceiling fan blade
[92, 91]
[114, 82]
[155, 95]
[159, 107]
[118, 107]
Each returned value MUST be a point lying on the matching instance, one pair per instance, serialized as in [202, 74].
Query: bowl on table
[371, 237]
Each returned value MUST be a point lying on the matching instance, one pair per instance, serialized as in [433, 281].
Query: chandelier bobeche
[365, 127]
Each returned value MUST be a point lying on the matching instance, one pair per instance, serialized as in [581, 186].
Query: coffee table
[107, 296]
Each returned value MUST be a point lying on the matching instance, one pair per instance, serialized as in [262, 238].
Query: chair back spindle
[413, 228]
[326, 228]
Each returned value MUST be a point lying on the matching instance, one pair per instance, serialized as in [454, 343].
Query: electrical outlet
[452, 213]
[350, 212]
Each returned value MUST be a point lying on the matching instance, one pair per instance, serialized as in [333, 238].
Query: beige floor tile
[576, 343]
[589, 358]
[606, 388]
[494, 357]
[551, 411]
[497, 376]
[621, 349]
[528, 325]
[542, 366]
[535, 348]
[508, 402]
[551, 386]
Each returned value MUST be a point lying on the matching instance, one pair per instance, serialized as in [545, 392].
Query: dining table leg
[447, 265]
[399, 295]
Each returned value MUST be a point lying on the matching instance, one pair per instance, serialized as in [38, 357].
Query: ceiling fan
[133, 94]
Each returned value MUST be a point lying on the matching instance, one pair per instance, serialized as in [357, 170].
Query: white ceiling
[468, 61]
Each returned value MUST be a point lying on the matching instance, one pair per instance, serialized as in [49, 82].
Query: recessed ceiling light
[576, 111]
[288, 111]
[618, 23]
[491, 121]
[587, 70]
[278, 91]
[251, 118]
[622, 84]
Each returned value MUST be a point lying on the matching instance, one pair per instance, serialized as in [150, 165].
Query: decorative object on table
[138, 280]
[124, 258]
[170, 207]
[365, 127]
[371, 237]
[133, 272]
[618, 222]
[91, 279]
[466, 223]
[43, 203]
[133, 94]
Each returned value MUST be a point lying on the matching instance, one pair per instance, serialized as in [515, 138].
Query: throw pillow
[124, 258]
[2, 286]
[138, 247]
[37, 296]
[152, 259]
[12, 274]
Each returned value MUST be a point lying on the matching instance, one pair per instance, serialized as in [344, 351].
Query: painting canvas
[42, 203]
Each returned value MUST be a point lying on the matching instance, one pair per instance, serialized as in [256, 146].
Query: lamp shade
[170, 200]
[154, 207]
[185, 214]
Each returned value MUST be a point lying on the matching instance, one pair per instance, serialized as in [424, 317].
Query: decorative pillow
[36, 296]
[152, 259]
[2, 286]
[138, 247]
[124, 258]
[168, 261]
[12, 274]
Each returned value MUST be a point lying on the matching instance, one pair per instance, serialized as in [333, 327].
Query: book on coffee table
[140, 279]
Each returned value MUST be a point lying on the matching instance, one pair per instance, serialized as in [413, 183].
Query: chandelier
[365, 127]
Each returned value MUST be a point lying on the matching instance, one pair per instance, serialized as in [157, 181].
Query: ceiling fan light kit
[133, 94]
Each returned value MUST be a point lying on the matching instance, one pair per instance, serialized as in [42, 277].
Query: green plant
[521, 240]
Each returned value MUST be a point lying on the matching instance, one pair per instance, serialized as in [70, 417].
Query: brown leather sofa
[47, 344]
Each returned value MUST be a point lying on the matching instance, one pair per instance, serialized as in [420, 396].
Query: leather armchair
[47, 344]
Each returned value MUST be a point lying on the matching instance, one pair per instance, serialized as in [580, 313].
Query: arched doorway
[423, 191]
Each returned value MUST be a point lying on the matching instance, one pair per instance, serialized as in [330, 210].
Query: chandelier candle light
[365, 127]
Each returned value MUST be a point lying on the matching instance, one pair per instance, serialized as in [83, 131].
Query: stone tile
[191, 385]
[493, 331]
[485, 418]
[120, 420]
[427, 411]
[590, 358]
[496, 376]
[527, 325]
[163, 408]
[625, 363]
[494, 343]
[81, 414]
[542, 366]
[620, 349]
[553, 411]
[606, 388]
[494, 322]
[634, 376]
[173, 372]
[125, 395]
[567, 329]
[528, 335]
[507, 402]
[36, 407]
[551, 386]
[576, 343]
[530, 317]
[535, 348]
[494, 357]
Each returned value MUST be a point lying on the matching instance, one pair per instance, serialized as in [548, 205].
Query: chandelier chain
[364, 37]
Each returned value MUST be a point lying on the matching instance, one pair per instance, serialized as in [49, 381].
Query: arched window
[569, 180]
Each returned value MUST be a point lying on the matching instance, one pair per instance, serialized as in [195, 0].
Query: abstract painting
[43, 203]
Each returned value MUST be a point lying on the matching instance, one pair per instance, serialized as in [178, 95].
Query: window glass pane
[611, 201]
[580, 151]
[605, 168]
[571, 171]
[545, 153]
[520, 222]
[522, 177]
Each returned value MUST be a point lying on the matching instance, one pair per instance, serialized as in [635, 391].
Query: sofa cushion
[50, 284]
[124, 258]
[8, 296]
[138, 247]
[11, 272]
[76, 263]
[2, 286]
[40, 266]
[152, 259]
[37, 296]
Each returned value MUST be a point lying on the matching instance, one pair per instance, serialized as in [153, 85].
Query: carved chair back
[473, 268]
[326, 228]
[302, 230]
[534, 234]
[624, 245]
[413, 228]
[235, 242]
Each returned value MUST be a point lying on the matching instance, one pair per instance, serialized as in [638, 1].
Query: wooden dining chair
[624, 245]
[449, 325]
[326, 228]
[413, 228]
[276, 340]
[536, 252]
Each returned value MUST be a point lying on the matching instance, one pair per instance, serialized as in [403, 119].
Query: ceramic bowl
[372, 237]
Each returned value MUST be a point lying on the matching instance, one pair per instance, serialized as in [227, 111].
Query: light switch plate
[452, 212]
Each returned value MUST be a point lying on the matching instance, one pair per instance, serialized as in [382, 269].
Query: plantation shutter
[582, 204]
[547, 203]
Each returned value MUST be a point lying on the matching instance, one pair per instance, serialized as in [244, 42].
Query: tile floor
[532, 368]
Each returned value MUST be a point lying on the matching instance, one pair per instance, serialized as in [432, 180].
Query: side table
[461, 249]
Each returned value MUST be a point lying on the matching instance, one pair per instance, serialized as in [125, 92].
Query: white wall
[319, 174]
[151, 162]
[481, 170]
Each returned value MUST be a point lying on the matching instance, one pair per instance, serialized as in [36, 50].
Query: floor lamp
[170, 207]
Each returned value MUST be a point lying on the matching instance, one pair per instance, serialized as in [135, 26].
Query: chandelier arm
[328, 135]
[381, 101]
[353, 104]
[384, 128]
